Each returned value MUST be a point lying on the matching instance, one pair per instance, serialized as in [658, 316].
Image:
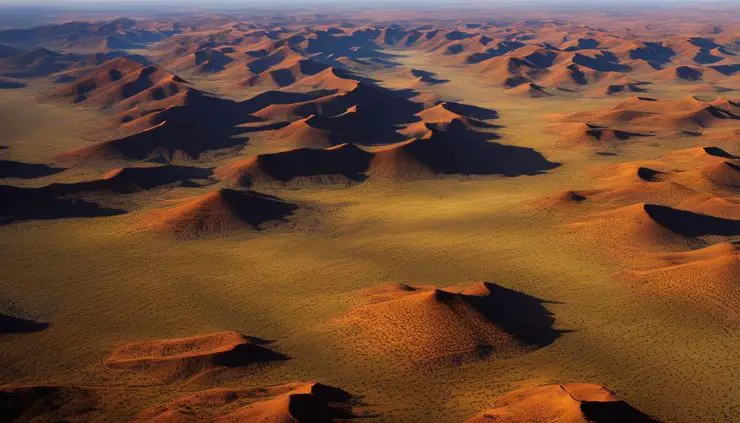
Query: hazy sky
[248, 3]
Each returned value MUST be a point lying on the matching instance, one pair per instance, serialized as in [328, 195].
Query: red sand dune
[439, 113]
[300, 402]
[289, 72]
[427, 324]
[399, 162]
[703, 180]
[181, 358]
[445, 117]
[707, 277]
[219, 212]
[689, 114]
[571, 403]
[451, 152]
[531, 90]
[374, 106]
[637, 226]
[588, 134]
[308, 133]
[327, 79]
[698, 156]
[122, 83]
[721, 177]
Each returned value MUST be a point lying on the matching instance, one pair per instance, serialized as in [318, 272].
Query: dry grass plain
[103, 282]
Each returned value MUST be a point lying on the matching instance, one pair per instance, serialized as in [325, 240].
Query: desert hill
[311, 132]
[343, 163]
[293, 402]
[201, 123]
[572, 402]
[329, 78]
[109, 35]
[122, 83]
[41, 62]
[288, 72]
[588, 134]
[652, 115]
[424, 324]
[182, 358]
[217, 213]
[630, 228]
[437, 153]
[704, 180]
[367, 113]
[704, 276]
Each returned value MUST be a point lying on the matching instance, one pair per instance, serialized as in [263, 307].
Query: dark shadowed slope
[39, 203]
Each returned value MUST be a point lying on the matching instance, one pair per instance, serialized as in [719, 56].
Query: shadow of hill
[613, 412]
[440, 154]
[10, 324]
[602, 63]
[13, 169]
[428, 77]
[134, 179]
[716, 151]
[367, 114]
[211, 60]
[471, 111]
[688, 73]
[727, 70]
[203, 124]
[653, 52]
[346, 160]
[248, 353]
[38, 203]
[502, 48]
[520, 315]
[380, 105]
[256, 208]
[357, 45]
[363, 125]
[11, 85]
[692, 224]
[447, 154]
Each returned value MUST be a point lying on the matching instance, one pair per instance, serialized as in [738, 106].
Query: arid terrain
[376, 215]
